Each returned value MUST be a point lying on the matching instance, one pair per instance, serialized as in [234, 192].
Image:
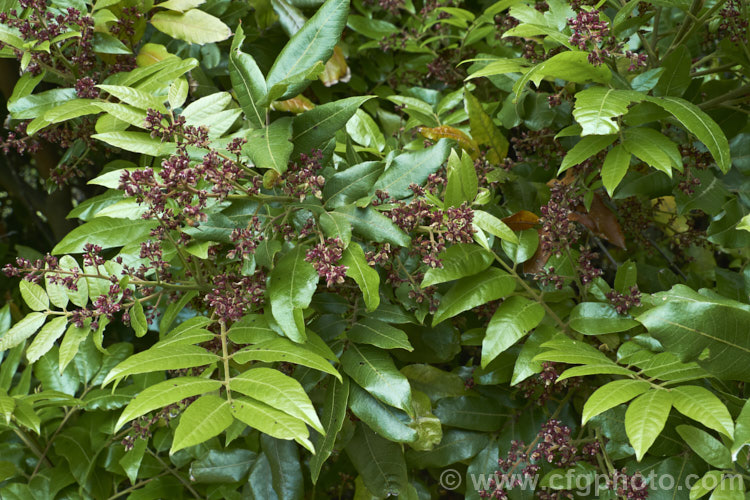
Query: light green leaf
[134, 97]
[741, 430]
[366, 277]
[7, 405]
[705, 484]
[611, 395]
[137, 142]
[355, 182]
[615, 167]
[597, 318]
[247, 80]
[653, 148]
[370, 223]
[373, 369]
[703, 406]
[572, 66]
[205, 418]
[312, 44]
[70, 343]
[483, 129]
[192, 26]
[34, 296]
[174, 357]
[514, 318]
[278, 391]
[164, 394]
[178, 93]
[363, 130]
[138, 319]
[271, 421]
[645, 419]
[699, 124]
[281, 349]
[732, 487]
[105, 232]
[46, 338]
[22, 330]
[471, 292]
[596, 107]
[585, 149]
[292, 284]
[491, 224]
[462, 184]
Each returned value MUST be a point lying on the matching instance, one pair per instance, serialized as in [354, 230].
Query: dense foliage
[432, 248]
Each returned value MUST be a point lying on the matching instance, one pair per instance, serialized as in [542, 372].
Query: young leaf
[34, 296]
[363, 130]
[271, 421]
[192, 26]
[515, 317]
[462, 181]
[247, 81]
[471, 292]
[70, 344]
[653, 148]
[282, 349]
[645, 419]
[585, 149]
[615, 167]
[491, 224]
[22, 330]
[373, 369]
[311, 44]
[366, 277]
[703, 406]
[164, 394]
[596, 107]
[290, 289]
[173, 357]
[611, 395]
[105, 232]
[205, 418]
[278, 391]
[46, 338]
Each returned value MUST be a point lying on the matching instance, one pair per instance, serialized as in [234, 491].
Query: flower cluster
[325, 257]
[558, 231]
[589, 32]
[632, 487]
[303, 178]
[623, 302]
[233, 296]
[733, 23]
[542, 386]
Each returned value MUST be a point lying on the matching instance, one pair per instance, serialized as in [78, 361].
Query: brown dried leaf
[336, 69]
[295, 105]
[521, 220]
[445, 132]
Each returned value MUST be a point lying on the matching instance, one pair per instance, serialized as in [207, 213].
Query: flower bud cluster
[303, 178]
[623, 302]
[542, 386]
[325, 259]
[589, 32]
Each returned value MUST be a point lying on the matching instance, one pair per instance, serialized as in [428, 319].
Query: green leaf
[615, 167]
[105, 232]
[47, 370]
[611, 395]
[473, 413]
[458, 261]
[514, 318]
[706, 446]
[645, 419]
[285, 350]
[174, 357]
[653, 148]
[348, 186]
[312, 44]
[188, 332]
[247, 81]
[332, 417]
[34, 296]
[205, 418]
[462, 184]
[271, 421]
[336, 226]
[471, 292]
[71, 342]
[251, 329]
[428, 426]
[192, 26]
[526, 365]
[79, 297]
[286, 471]
[732, 487]
[164, 394]
[688, 328]
[131, 461]
[292, 284]
[35, 105]
[223, 466]
[138, 319]
[7, 405]
[456, 446]
[366, 277]
[491, 224]
[373, 370]
[178, 93]
[596, 107]
[137, 142]
[705, 484]
[173, 309]
[134, 97]
[271, 147]
[676, 78]
[597, 318]
[585, 149]
[528, 242]
[375, 332]
[412, 168]
[387, 421]
[363, 130]
[371, 224]
[278, 391]
[22, 330]
[700, 125]
[46, 338]
[380, 463]
[703, 406]
[315, 127]
[741, 431]
[572, 66]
